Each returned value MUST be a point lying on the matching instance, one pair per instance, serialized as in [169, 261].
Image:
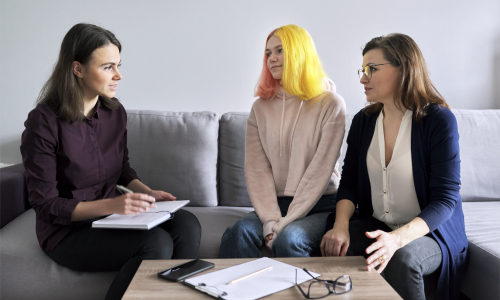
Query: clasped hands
[336, 242]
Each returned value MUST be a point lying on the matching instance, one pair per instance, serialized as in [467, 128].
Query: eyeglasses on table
[321, 288]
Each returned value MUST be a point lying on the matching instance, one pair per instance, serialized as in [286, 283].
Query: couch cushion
[214, 221]
[232, 185]
[28, 273]
[176, 152]
[479, 148]
[482, 226]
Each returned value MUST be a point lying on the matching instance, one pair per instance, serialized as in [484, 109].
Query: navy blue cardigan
[435, 159]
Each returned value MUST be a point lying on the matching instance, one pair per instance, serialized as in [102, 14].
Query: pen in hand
[123, 189]
[249, 275]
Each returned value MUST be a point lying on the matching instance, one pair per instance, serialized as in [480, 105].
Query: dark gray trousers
[406, 270]
[90, 249]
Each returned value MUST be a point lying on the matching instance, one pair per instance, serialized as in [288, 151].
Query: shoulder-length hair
[415, 90]
[302, 70]
[62, 91]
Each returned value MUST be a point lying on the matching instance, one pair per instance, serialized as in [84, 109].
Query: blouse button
[384, 169]
[386, 211]
[385, 191]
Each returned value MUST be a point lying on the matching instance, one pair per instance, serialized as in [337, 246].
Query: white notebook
[142, 221]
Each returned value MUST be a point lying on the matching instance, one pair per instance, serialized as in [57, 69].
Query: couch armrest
[13, 193]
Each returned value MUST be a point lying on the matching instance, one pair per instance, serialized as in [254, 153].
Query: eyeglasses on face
[367, 70]
[321, 288]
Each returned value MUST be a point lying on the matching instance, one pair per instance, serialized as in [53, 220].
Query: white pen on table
[249, 275]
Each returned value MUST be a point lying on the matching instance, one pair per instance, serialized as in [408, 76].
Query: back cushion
[232, 185]
[479, 132]
[176, 152]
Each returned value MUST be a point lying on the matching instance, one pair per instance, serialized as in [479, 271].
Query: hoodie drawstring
[293, 128]
[294, 124]
[281, 127]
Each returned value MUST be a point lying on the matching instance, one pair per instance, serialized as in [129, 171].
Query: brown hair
[62, 91]
[415, 90]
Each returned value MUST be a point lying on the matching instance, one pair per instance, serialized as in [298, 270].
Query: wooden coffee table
[366, 285]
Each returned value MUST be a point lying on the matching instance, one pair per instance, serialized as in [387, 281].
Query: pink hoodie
[295, 155]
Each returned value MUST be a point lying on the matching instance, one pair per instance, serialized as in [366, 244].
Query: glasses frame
[363, 70]
[327, 285]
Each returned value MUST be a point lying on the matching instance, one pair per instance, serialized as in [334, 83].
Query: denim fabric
[301, 238]
[406, 270]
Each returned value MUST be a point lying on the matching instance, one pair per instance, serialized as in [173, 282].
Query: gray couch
[199, 156]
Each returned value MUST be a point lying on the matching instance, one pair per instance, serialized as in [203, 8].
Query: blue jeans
[300, 238]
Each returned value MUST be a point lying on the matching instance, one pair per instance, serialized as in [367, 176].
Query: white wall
[207, 55]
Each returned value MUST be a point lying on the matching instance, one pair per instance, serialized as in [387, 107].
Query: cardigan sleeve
[441, 140]
[349, 180]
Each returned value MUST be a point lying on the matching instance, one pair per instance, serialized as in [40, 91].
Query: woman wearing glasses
[293, 140]
[402, 171]
[74, 152]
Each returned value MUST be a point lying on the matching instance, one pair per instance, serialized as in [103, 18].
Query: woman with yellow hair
[294, 134]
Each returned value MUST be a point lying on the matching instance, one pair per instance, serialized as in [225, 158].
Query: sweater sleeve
[320, 170]
[38, 145]
[259, 177]
[444, 177]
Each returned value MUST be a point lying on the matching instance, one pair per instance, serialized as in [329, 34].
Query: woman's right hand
[336, 241]
[131, 204]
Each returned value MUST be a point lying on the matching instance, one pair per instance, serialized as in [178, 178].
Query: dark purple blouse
[68, 162]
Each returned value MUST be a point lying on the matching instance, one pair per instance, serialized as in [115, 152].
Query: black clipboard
[206, 290]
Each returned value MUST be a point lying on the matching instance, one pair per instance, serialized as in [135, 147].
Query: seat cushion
[232, 184]
[176, 152]
[28, 273]
[214, 222]
[482, 226]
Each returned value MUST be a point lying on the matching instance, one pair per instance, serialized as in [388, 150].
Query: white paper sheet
[280, 277]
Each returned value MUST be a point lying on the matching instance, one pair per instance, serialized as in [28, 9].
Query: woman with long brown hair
[74, 152]
[401, 177]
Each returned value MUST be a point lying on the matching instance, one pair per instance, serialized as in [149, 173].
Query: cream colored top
[291, 149]
[394, 198]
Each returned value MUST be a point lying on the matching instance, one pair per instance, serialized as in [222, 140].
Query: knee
[190, 222]
[402, 263]
[291, 242]
[243, 229]
[157, 244]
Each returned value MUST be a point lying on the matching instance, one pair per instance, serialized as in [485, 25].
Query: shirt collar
[96, 112]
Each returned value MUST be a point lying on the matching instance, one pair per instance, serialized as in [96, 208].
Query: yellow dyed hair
[302, 70]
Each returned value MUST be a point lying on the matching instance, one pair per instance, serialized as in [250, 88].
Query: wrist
[399, 239]
[341, 223]
[106, 206]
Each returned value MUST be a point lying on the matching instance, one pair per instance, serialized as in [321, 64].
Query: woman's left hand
[162, 196]
[387, 243]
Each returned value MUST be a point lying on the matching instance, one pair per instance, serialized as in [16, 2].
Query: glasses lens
[318, 289]
[368, 72]
[343, 284]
